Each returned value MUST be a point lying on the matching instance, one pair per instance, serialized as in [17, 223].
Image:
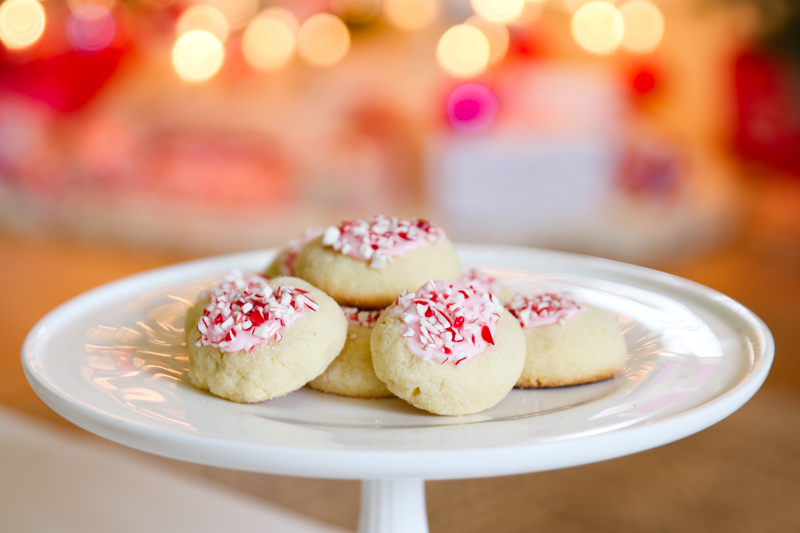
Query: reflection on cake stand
[113, 361]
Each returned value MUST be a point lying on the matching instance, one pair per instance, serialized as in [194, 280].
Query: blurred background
[666, 133]
[208, 126]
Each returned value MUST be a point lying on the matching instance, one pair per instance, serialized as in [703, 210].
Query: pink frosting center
[446, 322]
[543, 309]
[244, 311]
[381, 238]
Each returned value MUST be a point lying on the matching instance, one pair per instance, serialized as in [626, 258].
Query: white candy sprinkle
[366, 250]
[331, 235]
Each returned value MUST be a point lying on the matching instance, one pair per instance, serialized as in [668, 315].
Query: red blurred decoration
[56, 74]
[644, 79]
[768, 111]
[526, 42]
[66, 82]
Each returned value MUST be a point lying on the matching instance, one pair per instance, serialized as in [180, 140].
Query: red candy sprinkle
[487, 335]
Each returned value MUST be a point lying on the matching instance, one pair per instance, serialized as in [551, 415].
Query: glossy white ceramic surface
[114, 362]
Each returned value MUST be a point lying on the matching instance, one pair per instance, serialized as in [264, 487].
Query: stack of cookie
[380, 307]
[365, 265]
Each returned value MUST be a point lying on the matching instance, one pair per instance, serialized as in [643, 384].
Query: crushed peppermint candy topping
[365, 318]
[543, 309]
[292, 249]
[379, 239]
[477, 279]
[245, 311]
[448, 322]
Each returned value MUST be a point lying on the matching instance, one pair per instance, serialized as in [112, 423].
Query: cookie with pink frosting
[368, 263]
[482, 281]
[351, 373]
[448, 348]
[283, 262]
[567, 343]
[256, 339]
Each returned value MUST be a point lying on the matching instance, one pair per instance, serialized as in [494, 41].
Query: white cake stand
[113, 361]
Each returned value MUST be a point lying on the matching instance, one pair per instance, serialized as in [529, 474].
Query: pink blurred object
[650, 167]
[471, 107]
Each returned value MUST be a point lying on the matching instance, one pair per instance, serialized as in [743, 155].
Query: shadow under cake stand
[113, 361]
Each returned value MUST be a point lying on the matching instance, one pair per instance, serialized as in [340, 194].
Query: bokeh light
[269, 41]
[496, 34]
[463, 51]
[323, 40]
[238, 12]
[284, 15]
[411, 15]
[91, 27]
[206, 18]
[644, 26]
[22, 23]
[197, 56]
[498, 10]
[598, 27]
[471, 107]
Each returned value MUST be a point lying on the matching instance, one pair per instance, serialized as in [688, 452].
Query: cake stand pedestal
[114, 362]
[393, 506]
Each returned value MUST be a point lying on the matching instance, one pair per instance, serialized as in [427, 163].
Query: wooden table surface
[742, 474]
